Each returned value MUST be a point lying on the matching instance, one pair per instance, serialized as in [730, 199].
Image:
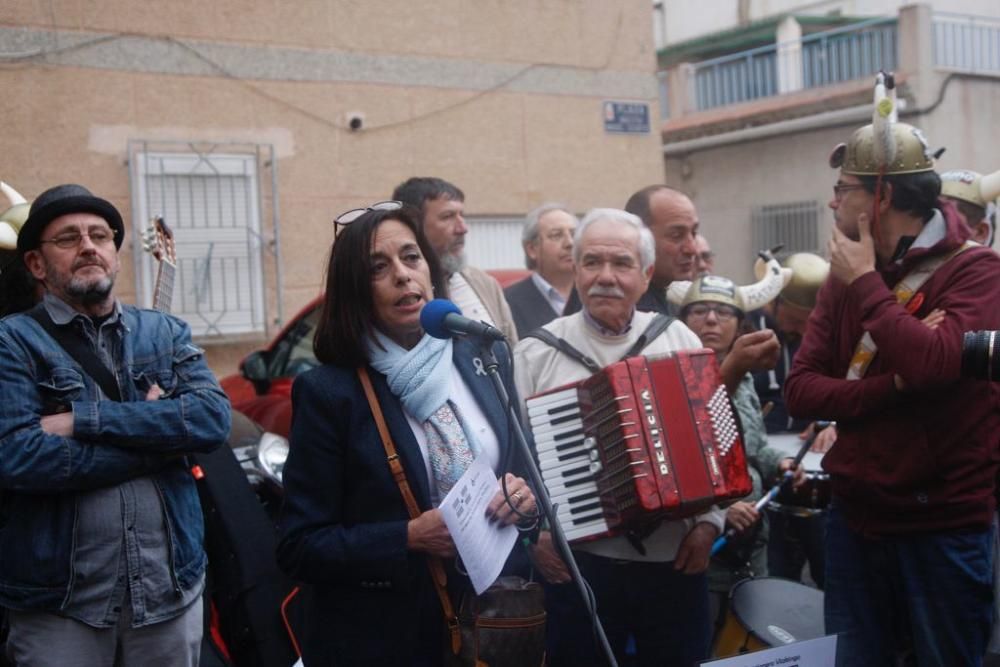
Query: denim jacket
[40, 474]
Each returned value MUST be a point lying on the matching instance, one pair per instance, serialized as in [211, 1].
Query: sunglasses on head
[347, 217]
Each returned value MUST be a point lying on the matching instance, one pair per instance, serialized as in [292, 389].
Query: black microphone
[443, 319]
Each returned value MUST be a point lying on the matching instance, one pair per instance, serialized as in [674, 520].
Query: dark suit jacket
[529, 307]
[369, 601]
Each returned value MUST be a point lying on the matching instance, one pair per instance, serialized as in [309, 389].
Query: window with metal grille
[211, 202]
[494, 242]
[793, 226]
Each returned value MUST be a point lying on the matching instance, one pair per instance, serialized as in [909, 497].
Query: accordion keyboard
[566, 464]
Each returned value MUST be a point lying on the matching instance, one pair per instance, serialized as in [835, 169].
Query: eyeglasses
[723, 313]
[99, 236]
[840, 188]
[347, 217]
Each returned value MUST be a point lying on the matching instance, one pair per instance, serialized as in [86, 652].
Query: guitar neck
[163, 289]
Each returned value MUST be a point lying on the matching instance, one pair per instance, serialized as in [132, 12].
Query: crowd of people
[101, 558]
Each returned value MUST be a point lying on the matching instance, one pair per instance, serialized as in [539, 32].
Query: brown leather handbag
[502, 627]
[505, 625]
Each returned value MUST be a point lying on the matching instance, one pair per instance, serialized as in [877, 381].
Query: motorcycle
[240, 491]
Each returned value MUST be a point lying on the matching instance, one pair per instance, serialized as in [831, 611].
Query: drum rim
[749, 630]
[794, 510]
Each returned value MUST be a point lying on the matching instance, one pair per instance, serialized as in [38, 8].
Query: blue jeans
[664, 611]
[929, 596]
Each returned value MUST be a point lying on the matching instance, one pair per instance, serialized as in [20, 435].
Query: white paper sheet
[482, 544]
[820, 652]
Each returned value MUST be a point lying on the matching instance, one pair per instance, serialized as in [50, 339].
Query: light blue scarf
[421, 379]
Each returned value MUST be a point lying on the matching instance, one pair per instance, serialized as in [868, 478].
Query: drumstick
[786, 479]
[766, 410]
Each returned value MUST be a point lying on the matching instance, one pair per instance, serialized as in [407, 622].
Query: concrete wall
[728, 182]
[681, 21]
[504, 99]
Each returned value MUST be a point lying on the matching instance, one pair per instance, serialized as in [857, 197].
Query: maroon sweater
[921, 460]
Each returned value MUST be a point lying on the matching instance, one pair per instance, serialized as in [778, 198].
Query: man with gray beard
[442, 217]
[101, 556]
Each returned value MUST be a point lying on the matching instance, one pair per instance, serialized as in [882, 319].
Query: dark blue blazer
[343, 527]
[529, 307]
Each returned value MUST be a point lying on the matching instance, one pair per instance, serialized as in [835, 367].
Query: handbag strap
[81, 353]
[399, 474]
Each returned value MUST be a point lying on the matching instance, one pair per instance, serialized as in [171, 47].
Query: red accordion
[644, 438]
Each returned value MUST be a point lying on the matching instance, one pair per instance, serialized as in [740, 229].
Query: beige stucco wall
[514, 118]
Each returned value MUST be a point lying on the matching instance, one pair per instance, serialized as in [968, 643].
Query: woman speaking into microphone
[364, 557]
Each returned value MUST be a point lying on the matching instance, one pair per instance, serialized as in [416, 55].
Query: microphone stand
[492, 367]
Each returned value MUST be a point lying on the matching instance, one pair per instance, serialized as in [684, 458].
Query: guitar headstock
[158, 240]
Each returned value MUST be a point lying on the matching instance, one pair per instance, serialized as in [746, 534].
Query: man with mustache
[657, 591]
[548, 251]
[101, 557]
[442, 217]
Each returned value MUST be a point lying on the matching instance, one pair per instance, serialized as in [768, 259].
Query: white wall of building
[678, 21]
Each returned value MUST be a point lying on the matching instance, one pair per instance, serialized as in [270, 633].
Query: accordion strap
[399, 474]
[656, 326]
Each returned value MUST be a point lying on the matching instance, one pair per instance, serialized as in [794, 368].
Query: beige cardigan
[491, 294]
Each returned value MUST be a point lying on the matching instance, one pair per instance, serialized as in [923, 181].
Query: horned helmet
[744, 298]
[885, 146]
[971, 187]
[13, 218]
[809, 272]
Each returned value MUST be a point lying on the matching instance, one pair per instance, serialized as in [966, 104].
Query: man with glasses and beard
[101, 557]
[913, 471]
[441, 208]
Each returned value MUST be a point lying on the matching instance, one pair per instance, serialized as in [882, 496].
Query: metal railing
[844, 54]
[967, 43]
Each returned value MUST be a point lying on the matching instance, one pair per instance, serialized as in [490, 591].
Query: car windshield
[293, 354]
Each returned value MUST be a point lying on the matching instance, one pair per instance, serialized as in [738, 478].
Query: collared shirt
[551, 294]
[122, 543]
[472, 418]
[467, 300]
[604, 331]
[932, 232]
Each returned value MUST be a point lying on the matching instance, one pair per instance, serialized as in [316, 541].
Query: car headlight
[271, 454]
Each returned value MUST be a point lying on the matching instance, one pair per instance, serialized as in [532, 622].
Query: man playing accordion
[654, 591]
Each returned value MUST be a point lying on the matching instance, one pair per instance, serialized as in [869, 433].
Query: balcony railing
[844, 54]
[967, 43]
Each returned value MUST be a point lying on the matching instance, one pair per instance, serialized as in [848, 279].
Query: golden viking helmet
[885, 146]
[971, 187]
[809, 272]
[13, 218]
[744, 298]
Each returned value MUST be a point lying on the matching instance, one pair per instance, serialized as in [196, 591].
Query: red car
[262, 390]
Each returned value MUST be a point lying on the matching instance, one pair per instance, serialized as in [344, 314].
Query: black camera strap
[77, 348]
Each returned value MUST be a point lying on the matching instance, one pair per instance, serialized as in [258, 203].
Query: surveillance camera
[355, 120]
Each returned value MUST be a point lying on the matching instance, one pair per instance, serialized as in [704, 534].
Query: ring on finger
[516, 497]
